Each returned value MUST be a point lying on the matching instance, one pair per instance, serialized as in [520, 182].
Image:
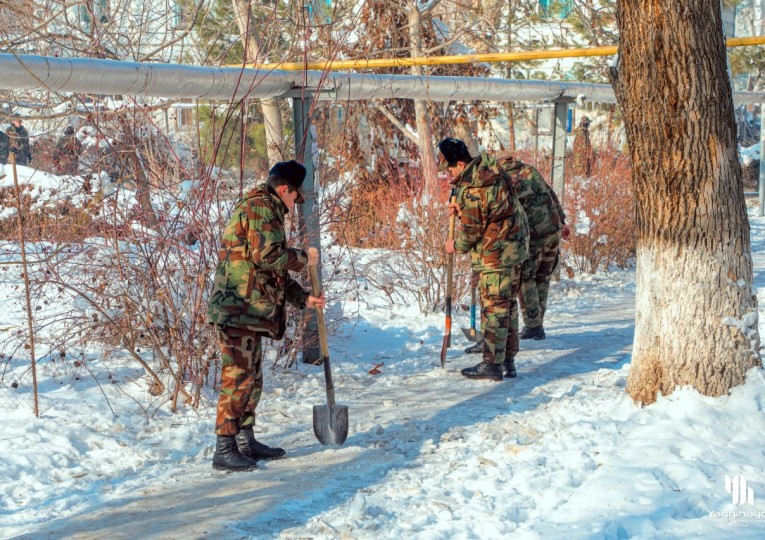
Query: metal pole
[762, 161]
[558, 172]
[559, 148]
[309, 221]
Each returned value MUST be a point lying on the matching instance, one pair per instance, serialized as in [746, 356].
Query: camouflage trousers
[499, 314]
[241, 379]
[536, 272]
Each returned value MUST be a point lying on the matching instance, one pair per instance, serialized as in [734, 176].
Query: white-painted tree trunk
[696, 310]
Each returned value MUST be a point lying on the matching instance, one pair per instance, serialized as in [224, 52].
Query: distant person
[19, 141]
[582, 162]
[547, 224]
[4, 149]
[67, 155]
[248, 302]
[111, 161]
[494, 232]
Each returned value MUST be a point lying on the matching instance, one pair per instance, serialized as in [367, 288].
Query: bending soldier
[546, 225]
[494, 232]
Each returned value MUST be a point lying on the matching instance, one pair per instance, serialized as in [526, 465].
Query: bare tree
[696, 321]
[422, 118]
[272, 117]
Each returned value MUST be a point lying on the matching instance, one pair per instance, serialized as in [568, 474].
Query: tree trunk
[143, 187]
[509, 75]
[610, 128]
[696, 311]
[272, 117]
[421, 106]
[464, 131]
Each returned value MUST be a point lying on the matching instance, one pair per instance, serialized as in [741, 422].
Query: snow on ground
[561, 451]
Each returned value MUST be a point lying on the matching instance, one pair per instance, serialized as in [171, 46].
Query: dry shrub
[600, 210]
[43, 149]
[117, 283]
[409, 229]
[45, 219]
[601, 213]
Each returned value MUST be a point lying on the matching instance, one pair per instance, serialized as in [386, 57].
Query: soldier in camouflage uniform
[582, 152]
[3, 152]
[494, 231]
[67, 155]
[248, 302]
[546, 225]
[18, 140]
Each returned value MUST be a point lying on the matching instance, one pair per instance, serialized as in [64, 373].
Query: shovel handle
[472, 310]
[323, 344]
[449, 274]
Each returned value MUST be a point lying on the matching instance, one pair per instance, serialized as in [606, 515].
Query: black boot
[251, 448]
[475, 349]
[484, 370]
[532, 333]
[228, 458]
[508, 366]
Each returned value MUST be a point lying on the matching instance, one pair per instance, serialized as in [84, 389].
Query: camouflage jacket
[19, 142]
[251, 284]
[543, 210]
[494, 228]
[67, 154]
[4, 148]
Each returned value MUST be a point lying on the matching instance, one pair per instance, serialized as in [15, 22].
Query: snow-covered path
[399, 423]
[560, 452]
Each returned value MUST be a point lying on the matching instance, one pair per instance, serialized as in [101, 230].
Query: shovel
[471, 333]
[449, 275]
[330, 421]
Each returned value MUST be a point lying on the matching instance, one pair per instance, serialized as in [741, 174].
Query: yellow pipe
[472, 58]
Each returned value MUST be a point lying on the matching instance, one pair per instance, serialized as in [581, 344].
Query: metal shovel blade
[330, 423]
[472, 334]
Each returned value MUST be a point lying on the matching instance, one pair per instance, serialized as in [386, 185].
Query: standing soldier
[583, 149]
[68, 150]
[247, 303]
[3, 152]
[546, 225]
[19, 141]
[494, 232]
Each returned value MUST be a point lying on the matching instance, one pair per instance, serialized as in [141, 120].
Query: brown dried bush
[601, 214]
[394, 216]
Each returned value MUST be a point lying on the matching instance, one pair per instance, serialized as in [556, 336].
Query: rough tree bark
[696, 312]
[272, 117]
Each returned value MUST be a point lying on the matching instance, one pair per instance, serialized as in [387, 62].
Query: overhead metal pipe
[351, 86]
[110, 77]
